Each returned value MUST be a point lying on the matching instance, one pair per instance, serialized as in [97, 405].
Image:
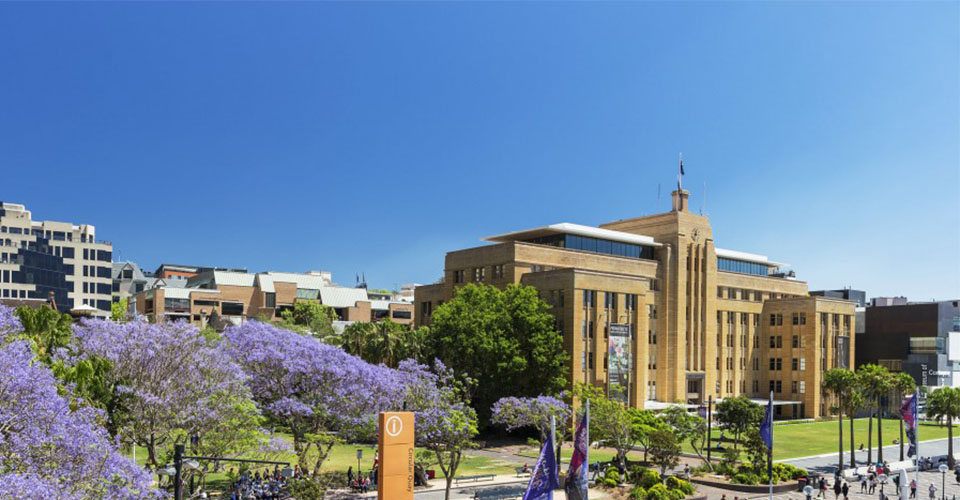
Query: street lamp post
[883, 481]
[808, 491]
[943, 483]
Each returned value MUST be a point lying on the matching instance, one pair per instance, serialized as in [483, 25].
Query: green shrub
[305, 489]
[613, 474]
[638, 493]
[635, 473]
[676, 494]
[649, 479]
[609, 483]
[658, 492]
[745, 478]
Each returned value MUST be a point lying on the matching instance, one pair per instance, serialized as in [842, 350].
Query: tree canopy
[506, 340]
[737, 415]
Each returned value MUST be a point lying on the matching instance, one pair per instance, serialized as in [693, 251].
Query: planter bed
[746, 488]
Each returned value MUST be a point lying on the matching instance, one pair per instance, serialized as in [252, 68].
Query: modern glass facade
[739, 266]
[597, 245]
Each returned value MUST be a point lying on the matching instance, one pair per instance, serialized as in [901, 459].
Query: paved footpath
[923, 493]
[827, 462]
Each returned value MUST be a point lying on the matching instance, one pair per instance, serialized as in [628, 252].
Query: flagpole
[916, 432]
[586, 454]
[680, 173]
[553, 439]
[770, 448]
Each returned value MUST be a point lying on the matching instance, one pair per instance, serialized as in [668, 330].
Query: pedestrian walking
[933, 492]
[913, 488]
[863, 483]
[837, 489]
[846, 491]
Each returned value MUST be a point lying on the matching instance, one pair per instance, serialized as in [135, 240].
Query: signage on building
[396, 464]
[619, 361]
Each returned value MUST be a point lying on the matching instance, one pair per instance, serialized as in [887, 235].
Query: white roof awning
[577, 229]
[748, 257]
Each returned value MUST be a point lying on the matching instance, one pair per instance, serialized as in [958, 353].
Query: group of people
[362, 482]
[266, 486]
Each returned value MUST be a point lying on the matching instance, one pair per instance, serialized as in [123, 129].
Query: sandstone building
[652, 310]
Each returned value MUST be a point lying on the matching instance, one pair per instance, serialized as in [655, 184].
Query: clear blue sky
[375, 137]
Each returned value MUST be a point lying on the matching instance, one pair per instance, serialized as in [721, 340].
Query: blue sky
[374, 137]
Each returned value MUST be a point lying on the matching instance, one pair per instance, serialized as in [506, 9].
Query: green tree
[308, 316]
[46, 329]
[841, 383]
[875, 382]
[664, 450]
[644, 422]
[118, 311]
[612, 422]
[687, 427]
[943, 404]
[355, 339]
[506, 339]
[737, 415]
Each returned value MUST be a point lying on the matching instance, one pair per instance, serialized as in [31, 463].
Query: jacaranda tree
[317, 391]
[445, 422]
[49, 450]
[180, 384]
[515, 413]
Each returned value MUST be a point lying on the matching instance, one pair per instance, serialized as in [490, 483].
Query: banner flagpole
[586, 458]
[553, 439]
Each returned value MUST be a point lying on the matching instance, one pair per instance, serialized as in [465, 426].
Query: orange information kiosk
[395, 467]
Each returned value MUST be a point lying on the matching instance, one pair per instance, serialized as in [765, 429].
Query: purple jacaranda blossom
[49, 450]
[514, 413]
[318, 391]
[179, 382]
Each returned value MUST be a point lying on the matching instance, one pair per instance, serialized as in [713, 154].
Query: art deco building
[650, 308]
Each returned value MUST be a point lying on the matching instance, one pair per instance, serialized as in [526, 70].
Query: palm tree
[355, 339]
[944, 404]
[854, 403]
[876, 382]
[903, 382]
[387, 342]
[840, 382]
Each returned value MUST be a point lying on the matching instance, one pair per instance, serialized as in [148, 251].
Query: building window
[803, 364]
[478, 273]
[270, 299]
[773, 319]
[400, 314]
[458, 276]
[793, 387]
[609, 300]
[589, 298]
[779, 319]
[796, 341]
[796, 318]
[803, 387]
[794, 364]
[498, 271]
[803, 318]
[779, 341]
[631, 301]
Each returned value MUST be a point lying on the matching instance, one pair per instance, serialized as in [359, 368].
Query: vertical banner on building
[619, 362]
[395, 467]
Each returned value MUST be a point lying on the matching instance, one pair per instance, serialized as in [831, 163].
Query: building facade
[239, 296]
[46, 260]
[650, 309]
[922, 339]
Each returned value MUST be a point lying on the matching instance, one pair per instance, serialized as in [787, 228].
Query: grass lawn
[343, 456]
[816, 438]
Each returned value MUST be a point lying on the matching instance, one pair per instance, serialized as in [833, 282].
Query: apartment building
[652, 310]
[46, 260]
[239, 296]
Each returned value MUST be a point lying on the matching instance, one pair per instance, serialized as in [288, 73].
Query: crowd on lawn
[260, 487]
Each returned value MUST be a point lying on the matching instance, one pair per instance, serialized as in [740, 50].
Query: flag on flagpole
[576, 482]
[909, 413]
[766, 433]
[543, 479]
